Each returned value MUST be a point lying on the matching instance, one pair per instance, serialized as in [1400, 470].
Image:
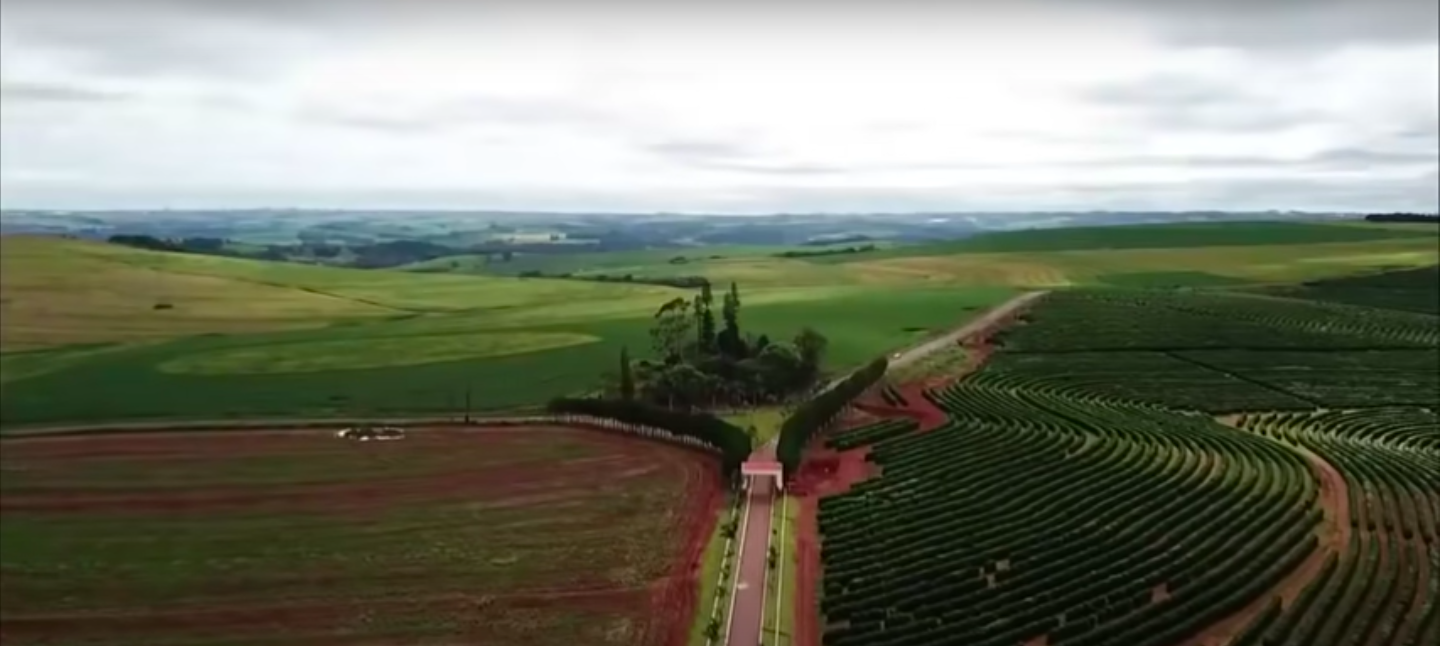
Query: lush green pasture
[58, 292]
[371, 367]
[444, 536]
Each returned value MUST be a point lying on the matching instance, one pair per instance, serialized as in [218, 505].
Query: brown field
[517, 536]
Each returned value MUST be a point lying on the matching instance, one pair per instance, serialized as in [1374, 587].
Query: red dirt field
[518, 536]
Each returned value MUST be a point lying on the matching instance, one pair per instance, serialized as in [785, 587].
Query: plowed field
[517, 536]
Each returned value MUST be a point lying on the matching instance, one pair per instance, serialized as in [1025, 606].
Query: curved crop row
[1096, 320]
[1082, 521]
[871, 434]
[1151, 377]
[1383, 589]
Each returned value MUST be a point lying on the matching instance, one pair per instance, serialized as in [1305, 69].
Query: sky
[723, 107]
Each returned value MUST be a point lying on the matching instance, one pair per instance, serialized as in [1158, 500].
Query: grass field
[411, 343]
[516, 536]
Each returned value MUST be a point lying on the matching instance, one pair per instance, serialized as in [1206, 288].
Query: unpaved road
[953, 337]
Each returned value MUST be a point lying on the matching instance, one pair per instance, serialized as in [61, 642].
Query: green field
[188, 538]
[395, 343]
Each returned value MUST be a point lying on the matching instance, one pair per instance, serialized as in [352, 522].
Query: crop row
[891, 396]
[1383, 588]
[1084, 521]
[871, 434]
[1414, 290]
[1361, 378]
[1224, 381]
[1116, 319]
[1150, 377]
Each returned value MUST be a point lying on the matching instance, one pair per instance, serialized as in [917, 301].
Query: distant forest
[1403, 217]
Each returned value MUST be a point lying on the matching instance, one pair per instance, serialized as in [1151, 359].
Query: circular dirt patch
[355, 354]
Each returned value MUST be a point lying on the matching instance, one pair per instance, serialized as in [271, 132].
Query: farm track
[983, 323]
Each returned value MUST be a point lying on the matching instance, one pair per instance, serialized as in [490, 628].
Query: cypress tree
[627, 378]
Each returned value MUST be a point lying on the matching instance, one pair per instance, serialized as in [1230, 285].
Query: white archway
[763, 469]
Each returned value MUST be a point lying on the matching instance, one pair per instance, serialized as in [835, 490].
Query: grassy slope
[56, 292]
[402, 316]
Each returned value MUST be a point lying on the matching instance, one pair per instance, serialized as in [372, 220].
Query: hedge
[816, 414]
[731, 441]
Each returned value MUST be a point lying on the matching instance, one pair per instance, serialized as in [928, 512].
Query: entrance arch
[763, 469]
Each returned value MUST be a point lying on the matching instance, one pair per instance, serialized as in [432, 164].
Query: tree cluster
[836, 251]
[703, 358]
[1403, 217]
[732, 441]
[682, 282]
[179, 245]
[816, 414]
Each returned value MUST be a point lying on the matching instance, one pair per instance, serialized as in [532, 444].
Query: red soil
[496, 468]
[918, 408]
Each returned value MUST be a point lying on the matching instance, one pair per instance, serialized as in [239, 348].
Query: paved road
[748, 600]
[985, 320]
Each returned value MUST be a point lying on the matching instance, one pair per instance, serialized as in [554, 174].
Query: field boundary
[294, 425]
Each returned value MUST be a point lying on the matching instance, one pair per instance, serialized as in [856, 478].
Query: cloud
[1281, 25]
[25, 92]
[704, 106]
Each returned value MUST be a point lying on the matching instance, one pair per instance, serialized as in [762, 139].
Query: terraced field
[1151, 468]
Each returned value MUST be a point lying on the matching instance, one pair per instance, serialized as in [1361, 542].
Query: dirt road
[985, 320]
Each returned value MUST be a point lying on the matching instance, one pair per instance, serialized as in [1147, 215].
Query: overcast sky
[721, 107]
